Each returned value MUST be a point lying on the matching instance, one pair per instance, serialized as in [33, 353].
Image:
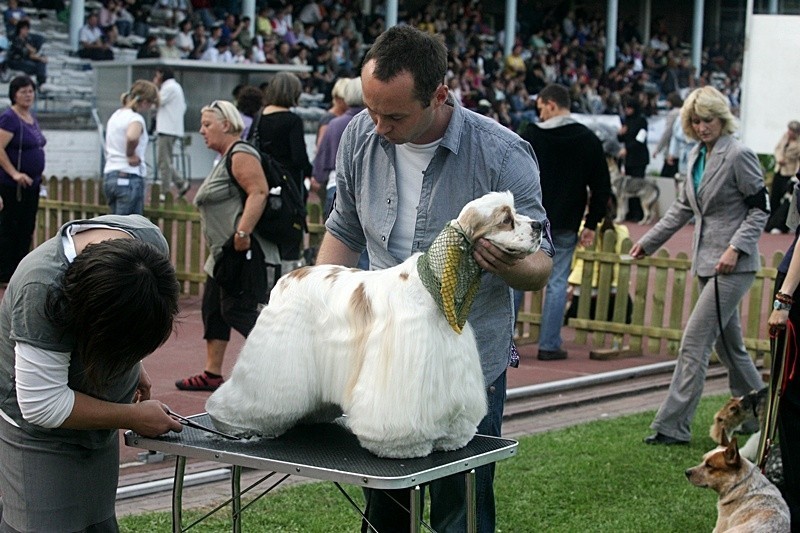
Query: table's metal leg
[236, 499]
[415, 510]
[177, 495]
[472, 511]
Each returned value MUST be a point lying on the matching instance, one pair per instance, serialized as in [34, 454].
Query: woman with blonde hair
[725, 195]
[125, 145]
[230, 205]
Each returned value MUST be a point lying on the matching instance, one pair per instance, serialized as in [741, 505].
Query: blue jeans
[124, 193]
[448, 505]
[555, 298]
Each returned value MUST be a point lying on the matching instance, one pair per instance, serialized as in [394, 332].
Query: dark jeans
[17, 222]
[448, 503]
[34, 68]
[124, 193]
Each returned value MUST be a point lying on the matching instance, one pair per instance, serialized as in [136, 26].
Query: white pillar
[511, 26]
[75, 23]
[249, 10]
[612, 11]
[647, 14]
[391, 13]
[697, 35]
[773, 7]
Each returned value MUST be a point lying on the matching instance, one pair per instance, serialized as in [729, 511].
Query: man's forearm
[532, 273]
[332, 251]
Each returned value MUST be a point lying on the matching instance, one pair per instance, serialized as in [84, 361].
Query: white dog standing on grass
[389, 349]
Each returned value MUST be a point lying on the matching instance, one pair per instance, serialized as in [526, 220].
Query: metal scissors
[192, 424]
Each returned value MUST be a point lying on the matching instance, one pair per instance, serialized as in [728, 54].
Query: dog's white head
[493, 217]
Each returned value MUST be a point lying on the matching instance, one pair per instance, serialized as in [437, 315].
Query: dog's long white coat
[376, 345]
[387, 363]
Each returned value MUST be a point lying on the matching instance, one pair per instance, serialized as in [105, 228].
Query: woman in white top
[126, 142]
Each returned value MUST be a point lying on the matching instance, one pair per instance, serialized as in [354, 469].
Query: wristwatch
[781, 306]
[242, 234]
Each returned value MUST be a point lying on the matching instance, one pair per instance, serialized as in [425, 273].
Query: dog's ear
[724, 441]
[732, 457]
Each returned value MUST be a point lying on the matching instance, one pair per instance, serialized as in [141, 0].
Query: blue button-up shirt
[476, 156]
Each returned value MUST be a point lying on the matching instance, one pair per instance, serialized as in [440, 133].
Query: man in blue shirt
[405, 168]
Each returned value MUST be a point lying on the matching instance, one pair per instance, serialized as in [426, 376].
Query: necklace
[24, 115]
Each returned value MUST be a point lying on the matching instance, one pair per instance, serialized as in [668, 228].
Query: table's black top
[325, 451]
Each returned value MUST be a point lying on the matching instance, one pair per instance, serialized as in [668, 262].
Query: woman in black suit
[633, 134]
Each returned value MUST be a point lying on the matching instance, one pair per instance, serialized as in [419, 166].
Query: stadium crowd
[553, 44]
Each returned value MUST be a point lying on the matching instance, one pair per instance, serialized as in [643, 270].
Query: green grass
[595, 477]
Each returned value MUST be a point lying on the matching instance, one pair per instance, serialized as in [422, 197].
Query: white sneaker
[775, 231]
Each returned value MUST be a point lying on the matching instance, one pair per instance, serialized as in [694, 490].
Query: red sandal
[203, 382]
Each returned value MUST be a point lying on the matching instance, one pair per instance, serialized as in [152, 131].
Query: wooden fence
[179, 220]
[658, 285]
[663, 294]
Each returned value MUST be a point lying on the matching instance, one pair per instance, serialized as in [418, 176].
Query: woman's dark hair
[118, 299]
[283, 90]
[633, 103]
[675, 99]
[249, 100]
[18, 83]
[407, 49]
[166, 73]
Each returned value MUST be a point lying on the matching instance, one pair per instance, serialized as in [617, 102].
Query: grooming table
[325, 452]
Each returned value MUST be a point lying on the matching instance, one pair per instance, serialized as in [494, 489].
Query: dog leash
[777, 383]
[719, 314]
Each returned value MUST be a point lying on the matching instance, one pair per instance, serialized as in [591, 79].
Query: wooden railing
[661, 287]
[69, 199]
[663, 294]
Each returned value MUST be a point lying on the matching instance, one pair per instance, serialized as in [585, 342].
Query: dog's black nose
[536, 225]
[688, 472]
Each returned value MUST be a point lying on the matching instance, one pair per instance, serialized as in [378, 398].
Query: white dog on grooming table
[390, 349]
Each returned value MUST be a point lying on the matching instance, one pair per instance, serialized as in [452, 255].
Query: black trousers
[635, 212]
[780, 208]
[788, 426]
[17, 222]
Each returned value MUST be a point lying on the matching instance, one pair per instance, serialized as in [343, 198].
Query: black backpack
[284, 217]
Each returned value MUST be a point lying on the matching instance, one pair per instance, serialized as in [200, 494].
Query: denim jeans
[555, 297]
[448, 503]
[124, 193]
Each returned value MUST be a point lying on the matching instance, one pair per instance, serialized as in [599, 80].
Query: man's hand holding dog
[527, 273]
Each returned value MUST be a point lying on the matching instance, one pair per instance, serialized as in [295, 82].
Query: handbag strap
[253, 136]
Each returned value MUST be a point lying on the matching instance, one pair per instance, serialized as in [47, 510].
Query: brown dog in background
[736, 412]
[748, 501]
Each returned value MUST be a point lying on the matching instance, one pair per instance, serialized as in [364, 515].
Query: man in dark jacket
[570, 160]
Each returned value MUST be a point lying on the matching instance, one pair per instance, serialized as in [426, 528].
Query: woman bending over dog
[76, 320]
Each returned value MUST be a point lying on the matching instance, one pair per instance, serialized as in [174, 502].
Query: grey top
[22, 320]
[722, 218]
[476, 156]
[220, 204]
